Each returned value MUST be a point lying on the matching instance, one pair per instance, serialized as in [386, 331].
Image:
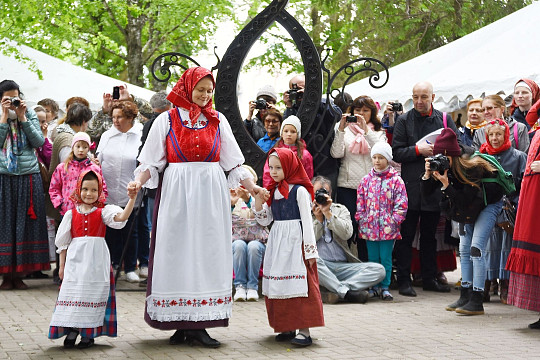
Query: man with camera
[266, 99]
[315, 137]
[340, 271]
[409, 128]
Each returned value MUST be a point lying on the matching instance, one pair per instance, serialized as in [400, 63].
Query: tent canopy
[487, 61]
[61, 80]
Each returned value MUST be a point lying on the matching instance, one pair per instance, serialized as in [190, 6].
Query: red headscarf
[294, 174]
[76, 196]
[486, 147]
[180, 95]
[535, 93]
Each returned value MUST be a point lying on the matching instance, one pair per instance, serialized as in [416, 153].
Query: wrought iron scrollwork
[229, 69]
[161, 67]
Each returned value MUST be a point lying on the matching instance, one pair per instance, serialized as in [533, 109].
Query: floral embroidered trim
[261, 215]
[287, 277]
[310, 249]
[86, 304]
[191, 302]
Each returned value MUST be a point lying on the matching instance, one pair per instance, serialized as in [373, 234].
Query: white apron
[192, 264]
[85, 288]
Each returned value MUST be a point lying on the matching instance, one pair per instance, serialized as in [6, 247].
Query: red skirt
[297, 313]
[524, 291]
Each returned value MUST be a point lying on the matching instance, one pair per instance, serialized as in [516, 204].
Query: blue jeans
[472, 247]
[247, 260]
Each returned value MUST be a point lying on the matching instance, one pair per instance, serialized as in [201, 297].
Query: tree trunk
[134, 29]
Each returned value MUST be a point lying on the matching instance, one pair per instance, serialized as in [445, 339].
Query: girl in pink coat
[380, 209]
[65, 176]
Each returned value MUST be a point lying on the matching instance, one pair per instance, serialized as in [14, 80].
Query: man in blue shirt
[272, 124]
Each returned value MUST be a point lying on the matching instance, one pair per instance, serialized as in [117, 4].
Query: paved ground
[408, 328]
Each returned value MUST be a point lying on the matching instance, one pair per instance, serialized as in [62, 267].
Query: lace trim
[236, 175]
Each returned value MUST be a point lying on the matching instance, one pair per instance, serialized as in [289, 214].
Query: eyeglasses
[489, 108]
[271, 121]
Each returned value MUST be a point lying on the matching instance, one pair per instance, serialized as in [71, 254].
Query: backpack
[504, 178]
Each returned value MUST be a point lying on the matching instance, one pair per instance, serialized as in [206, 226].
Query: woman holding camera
[466, 199]
[23, 229]
[357, 131]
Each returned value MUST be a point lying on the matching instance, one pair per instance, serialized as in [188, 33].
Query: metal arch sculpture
[163, 63]
[229, 69]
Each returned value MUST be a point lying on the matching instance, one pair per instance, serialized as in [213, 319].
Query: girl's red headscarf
[486, 147]
[294, 174]
[535, 93]
[180, 95]
[76, 196]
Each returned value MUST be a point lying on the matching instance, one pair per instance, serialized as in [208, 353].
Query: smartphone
[116, 93]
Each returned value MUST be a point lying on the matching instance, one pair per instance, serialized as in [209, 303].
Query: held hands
[243, 194]
[133, 188]
[261, 197]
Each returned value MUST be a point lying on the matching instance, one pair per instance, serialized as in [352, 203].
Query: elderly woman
[499, 244]
[189, 283]
[117, 154]
[495, 108]
[23, 230]
[475, 121]
[357, 131]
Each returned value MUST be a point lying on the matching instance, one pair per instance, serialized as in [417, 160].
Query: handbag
[507, 217]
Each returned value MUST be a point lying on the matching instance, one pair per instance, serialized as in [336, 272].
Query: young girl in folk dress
[290, 279]
[86, 304]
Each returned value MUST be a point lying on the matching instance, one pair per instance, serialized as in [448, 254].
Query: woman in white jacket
[357, 131]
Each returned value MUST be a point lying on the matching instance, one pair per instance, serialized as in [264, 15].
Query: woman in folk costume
[524, 259]
[290, 279]
[190, 267]
[86, 304]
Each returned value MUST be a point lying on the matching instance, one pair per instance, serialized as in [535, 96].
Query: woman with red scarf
[189, 273]
[524, 259]
[498, 144]
[290, 279]
[526, 93]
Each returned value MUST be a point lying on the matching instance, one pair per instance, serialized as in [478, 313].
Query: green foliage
[391, 31]
[118, 38]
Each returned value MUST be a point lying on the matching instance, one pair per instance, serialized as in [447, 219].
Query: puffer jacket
[381, 205]
[353, 166]
[63, 183]
[27, 161]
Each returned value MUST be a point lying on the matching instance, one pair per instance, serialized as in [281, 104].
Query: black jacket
[464, 199]
[409, 128]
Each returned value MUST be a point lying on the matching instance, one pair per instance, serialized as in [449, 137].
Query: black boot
[474, 306]
[202, 337]
[463, 299]
[177, 338]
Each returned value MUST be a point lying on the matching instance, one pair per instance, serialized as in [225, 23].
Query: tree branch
[113, 18]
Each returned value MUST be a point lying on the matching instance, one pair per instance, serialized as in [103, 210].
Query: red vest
[185, 144]
[87, 224]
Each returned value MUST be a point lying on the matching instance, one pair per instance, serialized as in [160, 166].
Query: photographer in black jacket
[408, 130]
[467, 200]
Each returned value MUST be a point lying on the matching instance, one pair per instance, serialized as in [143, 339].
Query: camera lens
[15, 101]
[351, 119]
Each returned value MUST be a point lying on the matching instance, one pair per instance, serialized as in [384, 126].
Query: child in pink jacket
[65, 176]
[380, 209]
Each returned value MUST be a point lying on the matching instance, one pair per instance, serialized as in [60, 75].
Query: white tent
[487, 61]
[61, 80]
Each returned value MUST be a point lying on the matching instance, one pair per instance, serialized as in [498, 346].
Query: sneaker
[132, 277]
[240, 294]
[143, 271]
[252, 295]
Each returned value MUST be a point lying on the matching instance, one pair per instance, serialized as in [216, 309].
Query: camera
[397, 106]
[116, 93]
[439, 163]
[261, 104]
[351, 119]
[294, 95]
[15, 101]
[320, 196]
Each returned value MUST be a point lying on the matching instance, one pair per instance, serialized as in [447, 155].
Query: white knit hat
[268, 90]
[523, 84]
[382, 148]
[294, 121]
